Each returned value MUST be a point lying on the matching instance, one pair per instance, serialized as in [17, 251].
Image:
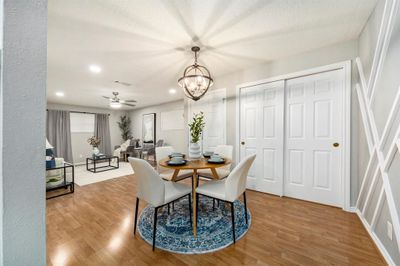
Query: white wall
[369, 36]
[176, 138]
[319, 57]
[79, 139]
[22, 116]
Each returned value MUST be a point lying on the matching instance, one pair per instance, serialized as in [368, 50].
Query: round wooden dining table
[194, 165]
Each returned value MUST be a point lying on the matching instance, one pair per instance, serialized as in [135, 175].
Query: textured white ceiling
[147, 43]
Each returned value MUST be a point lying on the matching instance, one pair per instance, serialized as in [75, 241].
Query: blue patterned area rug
[214, 228]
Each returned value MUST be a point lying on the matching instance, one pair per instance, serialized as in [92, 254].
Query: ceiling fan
[116, 102]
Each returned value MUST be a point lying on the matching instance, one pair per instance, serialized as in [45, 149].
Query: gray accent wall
[22, 119]
[387, 86]
[369, 36]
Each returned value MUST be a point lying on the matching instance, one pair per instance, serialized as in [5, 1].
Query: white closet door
[213, 105]
[261, 132]
[313, 127]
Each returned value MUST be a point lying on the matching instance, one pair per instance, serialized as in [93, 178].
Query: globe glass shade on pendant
[196, 79]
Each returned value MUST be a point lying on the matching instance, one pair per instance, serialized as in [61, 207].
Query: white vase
[96, 151]
[194, 150]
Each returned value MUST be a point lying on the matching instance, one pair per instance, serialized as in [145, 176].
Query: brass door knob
[242, 142]
[335, 144]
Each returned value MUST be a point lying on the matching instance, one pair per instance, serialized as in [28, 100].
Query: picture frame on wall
[149, 128]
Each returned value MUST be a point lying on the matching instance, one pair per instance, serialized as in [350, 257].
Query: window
[82, 123]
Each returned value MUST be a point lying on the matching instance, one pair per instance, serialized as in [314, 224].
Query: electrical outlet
[390, 230]
[80, 155]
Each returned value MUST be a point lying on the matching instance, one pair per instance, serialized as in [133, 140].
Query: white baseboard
[376, 240]
[352, 209]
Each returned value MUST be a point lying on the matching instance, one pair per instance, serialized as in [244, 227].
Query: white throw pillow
[125, 145]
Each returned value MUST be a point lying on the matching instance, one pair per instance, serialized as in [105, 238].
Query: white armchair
[229, 189]
[166, 173]
[156, 191]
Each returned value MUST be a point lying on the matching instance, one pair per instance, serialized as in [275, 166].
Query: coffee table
[103, 168]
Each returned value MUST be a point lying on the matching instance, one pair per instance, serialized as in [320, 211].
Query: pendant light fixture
[196, 79]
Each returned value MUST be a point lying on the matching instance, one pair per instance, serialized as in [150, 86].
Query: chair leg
[213, 204]
[190, 209]
[233, 222]
[197, 208]
[173, 205]
[155, 227]
[136, 213]
[168, 209]
[245, 206]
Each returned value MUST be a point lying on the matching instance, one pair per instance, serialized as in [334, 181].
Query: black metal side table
[96, 160]
[65, 184]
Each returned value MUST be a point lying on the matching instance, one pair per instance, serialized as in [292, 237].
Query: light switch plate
[390, 230]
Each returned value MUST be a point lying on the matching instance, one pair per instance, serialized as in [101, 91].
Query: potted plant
[196, 129]
[125, 127]
[94, 142]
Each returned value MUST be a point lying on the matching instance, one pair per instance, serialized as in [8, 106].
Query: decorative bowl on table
[208, 154]
[215, 158]
[176, 154]
[176, 161]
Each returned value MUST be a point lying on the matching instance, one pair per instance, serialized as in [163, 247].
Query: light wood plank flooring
[94, 226]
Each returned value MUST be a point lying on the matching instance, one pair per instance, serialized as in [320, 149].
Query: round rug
[175, 234]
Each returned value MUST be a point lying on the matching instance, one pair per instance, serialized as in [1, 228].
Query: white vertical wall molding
[370, 190]
[363, 81]
[364, 117]
[384, 40]
[366, 175]
[365, 100]
[382, 36]
[378, 208]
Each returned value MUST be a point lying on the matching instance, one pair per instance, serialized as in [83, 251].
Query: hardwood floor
[94, 226]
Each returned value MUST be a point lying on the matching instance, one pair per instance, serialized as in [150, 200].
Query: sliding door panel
[261, 132]
[314, 135]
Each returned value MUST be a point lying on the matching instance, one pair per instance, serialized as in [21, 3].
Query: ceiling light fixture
[115, 105]
[60, 94]
[172, 91]
[196, 79]
[95, 68]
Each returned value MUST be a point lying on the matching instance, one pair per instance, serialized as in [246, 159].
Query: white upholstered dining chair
[229, 189]
[156, 191]
[166, 173]
[225, 151]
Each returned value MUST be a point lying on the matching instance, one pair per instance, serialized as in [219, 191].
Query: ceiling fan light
[115, 105]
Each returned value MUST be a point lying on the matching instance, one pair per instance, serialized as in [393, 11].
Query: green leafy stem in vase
[196, 127]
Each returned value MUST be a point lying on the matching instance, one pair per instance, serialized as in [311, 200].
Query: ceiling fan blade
[106, 97]
[128, 104]
[131, 101]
